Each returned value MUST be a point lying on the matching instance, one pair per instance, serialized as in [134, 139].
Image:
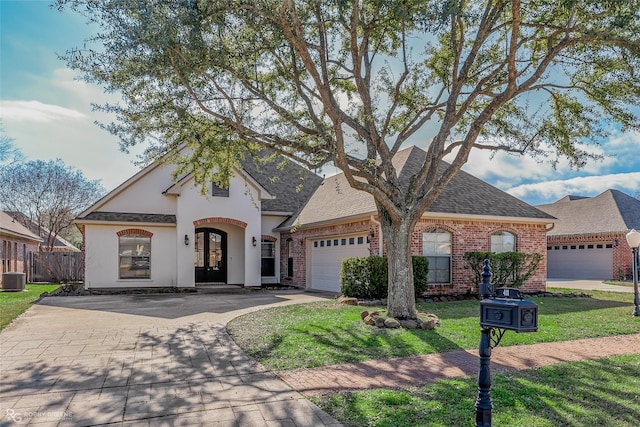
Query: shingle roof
[609, 212]
[32, 225]
[289, 183]
[9, 225]
[465, 195]
[130, 217]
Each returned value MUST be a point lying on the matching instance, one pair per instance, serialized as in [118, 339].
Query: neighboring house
[18, 243]
[267, 228]
[589, 238]
[59, 244]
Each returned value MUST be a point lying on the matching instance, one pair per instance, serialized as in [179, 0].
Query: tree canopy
[49, 193]
[8, 150]
[351, 82]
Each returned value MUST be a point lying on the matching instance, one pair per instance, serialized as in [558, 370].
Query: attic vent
[219, 191]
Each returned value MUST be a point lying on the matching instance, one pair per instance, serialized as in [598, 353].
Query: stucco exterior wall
[102, 257]
[467, 235]
[145, 195]
[242, 205]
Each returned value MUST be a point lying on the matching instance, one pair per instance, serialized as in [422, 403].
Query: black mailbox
[506, 313]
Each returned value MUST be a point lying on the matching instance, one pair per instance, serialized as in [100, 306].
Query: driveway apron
[143, 360]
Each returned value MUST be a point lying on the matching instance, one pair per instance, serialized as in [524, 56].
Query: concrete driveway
[143, 360]
[587, 285]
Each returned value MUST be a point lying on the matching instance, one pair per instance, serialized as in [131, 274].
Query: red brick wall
[466, 236]
[299, 247]
[622, 258]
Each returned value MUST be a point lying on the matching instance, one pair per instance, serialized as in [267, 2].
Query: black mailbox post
[500, 311]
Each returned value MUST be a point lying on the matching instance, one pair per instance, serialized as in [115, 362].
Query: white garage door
[326, 258]
[584, 261]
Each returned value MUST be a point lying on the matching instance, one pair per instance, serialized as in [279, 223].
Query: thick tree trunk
[401, 300]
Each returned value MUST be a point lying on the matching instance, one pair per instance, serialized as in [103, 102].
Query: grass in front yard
[13, 304]
[326, 333]
[618, 283]
[603, 392]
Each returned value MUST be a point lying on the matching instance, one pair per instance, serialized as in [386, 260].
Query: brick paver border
[420, 370]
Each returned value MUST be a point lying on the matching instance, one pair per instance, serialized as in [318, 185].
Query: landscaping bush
[508, 268]
[367, 277]
[364, 277]
[420, 271]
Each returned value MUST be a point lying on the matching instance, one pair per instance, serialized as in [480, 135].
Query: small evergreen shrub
[367, 277]
[511, 269]
[420, 271]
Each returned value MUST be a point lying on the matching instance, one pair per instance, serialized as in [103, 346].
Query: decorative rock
[379, 321]
[409, 324]
[429, 322]
[391, 323]
[348, 300]
[369, 320]
[428, 325]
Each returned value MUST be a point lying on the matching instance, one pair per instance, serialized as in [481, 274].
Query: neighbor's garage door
[587, 261]
[326, 258]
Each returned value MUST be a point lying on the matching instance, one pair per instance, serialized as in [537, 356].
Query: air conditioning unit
[13, 281]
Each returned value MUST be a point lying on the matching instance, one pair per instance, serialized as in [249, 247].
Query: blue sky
[48, 114]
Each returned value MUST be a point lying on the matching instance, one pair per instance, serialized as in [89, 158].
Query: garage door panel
[575, 263]
[326, 259]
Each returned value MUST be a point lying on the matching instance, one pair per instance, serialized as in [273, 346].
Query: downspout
[553, 225]
[373, 220]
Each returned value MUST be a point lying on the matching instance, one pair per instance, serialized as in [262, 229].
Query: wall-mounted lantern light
[186, 240]
[254, 241]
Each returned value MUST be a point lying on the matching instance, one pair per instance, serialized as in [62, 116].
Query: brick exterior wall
[622, 258]
[132, 231]
[15, 255]
[466, 236]
[300, 248]
[231, 221]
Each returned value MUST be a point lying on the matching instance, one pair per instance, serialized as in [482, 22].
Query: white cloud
[36, 111]
[582, 186]
[58, 122]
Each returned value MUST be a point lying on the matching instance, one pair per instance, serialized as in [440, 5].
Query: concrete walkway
[143, 360]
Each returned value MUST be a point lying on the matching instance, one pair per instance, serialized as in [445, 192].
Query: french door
[210, 256]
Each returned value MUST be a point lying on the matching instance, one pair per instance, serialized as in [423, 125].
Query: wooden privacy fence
[57, 267]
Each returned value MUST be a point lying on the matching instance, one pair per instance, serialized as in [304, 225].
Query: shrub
[508, 268]
[367, 277]
[420, 271]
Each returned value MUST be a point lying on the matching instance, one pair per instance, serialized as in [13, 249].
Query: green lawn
[13, 304]
[327, 333]
[603, 392]
[596, 393]
[618, 283]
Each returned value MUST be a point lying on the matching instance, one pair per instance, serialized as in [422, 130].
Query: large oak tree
[350, 82]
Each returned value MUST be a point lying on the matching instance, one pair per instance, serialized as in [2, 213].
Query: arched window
[436, 246]
[503, 241]
[135, 255]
